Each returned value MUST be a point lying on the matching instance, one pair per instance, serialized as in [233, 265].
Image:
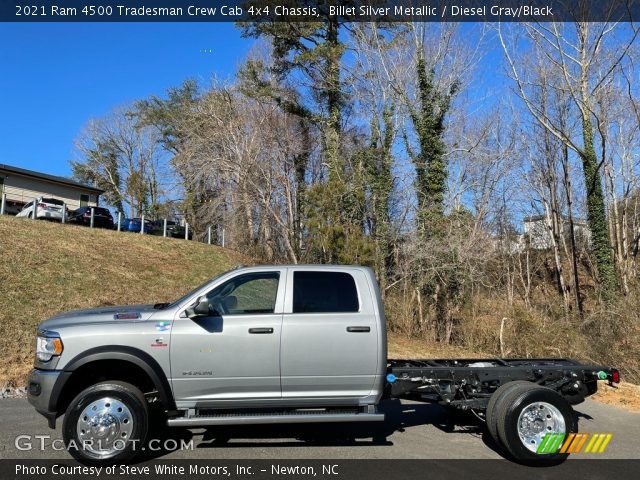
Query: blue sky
[55, 77]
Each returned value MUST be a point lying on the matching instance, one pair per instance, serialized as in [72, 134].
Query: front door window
[251, 294]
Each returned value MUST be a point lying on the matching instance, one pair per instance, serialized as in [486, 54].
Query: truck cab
[282, 336]
[290, 343]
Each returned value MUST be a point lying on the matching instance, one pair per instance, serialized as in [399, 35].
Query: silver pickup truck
[276, 344]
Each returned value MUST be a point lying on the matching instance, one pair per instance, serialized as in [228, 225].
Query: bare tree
[241, 151]
[582, 59]
[124, 160]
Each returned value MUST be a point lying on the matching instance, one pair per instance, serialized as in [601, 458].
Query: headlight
[47, 347]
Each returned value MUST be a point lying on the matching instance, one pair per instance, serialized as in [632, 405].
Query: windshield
[191, 292]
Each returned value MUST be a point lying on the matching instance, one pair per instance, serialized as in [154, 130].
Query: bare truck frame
[495, 389]
[468, 384]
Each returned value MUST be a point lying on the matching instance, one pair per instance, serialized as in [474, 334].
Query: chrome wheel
[104, 427]
[537, 420]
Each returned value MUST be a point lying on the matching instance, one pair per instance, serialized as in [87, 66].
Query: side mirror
[200, 309]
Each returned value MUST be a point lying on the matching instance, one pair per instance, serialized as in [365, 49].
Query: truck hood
[128, 313]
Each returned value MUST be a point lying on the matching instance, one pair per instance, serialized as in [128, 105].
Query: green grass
[47, 268]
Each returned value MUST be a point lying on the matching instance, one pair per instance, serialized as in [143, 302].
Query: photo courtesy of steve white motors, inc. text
[164, 469]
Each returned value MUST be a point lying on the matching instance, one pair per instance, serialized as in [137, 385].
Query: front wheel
[533, 423]
[106, 423]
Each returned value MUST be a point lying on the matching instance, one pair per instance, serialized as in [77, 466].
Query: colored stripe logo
[550, 443]
[574, 443]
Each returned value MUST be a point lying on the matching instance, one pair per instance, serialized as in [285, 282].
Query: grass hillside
[46, 268]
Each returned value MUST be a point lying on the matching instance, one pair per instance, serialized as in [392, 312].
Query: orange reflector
[57, 345]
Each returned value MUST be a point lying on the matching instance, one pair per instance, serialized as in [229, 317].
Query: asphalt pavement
[410, 431]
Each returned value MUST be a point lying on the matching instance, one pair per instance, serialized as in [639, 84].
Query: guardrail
[206, 238]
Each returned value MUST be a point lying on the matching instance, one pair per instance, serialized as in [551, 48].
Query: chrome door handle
[261, 330]
[358, 329]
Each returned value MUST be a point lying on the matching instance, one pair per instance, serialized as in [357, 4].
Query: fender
[117, 352]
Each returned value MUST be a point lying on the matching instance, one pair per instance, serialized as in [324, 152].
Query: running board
[273, 418]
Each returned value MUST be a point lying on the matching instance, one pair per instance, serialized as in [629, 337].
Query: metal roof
[49, 178]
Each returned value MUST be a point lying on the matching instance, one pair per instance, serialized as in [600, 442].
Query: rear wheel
[494, 402]
[106, 423]
[529, 418]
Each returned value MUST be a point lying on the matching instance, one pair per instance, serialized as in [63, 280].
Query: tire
[123, 412]
[492, 408]
[548, 412]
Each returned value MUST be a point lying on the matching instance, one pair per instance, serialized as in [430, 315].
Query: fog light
[34, 389]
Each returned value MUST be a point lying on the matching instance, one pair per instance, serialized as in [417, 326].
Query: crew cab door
[329, 335]
[233, 352]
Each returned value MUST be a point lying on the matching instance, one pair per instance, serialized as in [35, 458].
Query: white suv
[48, 208]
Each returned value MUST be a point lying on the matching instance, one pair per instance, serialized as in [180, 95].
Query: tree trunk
[572, 231]
[596, 213]
[596, 209]
[333, 104]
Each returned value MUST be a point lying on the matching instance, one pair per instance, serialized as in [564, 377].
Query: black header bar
[318, 10]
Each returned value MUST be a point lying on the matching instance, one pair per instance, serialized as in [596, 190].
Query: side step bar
[271, 418]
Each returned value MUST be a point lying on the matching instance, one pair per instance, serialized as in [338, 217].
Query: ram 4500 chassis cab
[276, 344]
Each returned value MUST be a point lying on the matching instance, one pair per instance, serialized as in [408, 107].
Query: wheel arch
[121, 363]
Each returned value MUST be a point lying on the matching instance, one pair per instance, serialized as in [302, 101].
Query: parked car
[135, 224]
[273, 345]
[174, 229]
[47, 208]
[101, 217]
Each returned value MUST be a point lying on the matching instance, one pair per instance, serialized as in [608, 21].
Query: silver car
[45, 207]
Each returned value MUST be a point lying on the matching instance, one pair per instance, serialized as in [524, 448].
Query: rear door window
[324, 292]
